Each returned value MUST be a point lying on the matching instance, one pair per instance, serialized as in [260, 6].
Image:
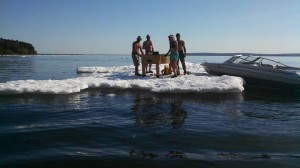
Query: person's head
[171, 37]
[139, 38]
[177, 35]
[148, 37]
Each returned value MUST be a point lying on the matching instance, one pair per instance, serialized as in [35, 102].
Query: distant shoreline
[192, 54]
[205, 54]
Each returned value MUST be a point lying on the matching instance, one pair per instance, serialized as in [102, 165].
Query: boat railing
[272, 62]
[259, 61]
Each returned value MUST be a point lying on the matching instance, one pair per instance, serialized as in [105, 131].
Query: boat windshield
[252, 60]
[261, 62]
[242, 59]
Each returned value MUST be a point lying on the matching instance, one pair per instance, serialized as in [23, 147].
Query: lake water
[52, 116]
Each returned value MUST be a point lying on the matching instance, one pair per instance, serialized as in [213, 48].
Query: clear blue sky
[110, 26]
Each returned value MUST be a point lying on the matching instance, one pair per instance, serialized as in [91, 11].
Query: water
[114, 119]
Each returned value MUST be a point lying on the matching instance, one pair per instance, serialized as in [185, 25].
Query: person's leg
[174, 67]
[174, 60]
[150, 68]
[137, 70]
[135, 59]
[182, 60]
[178, 68]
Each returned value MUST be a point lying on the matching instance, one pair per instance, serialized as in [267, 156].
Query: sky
[110, 26]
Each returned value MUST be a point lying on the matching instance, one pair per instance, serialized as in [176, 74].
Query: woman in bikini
[174, 55]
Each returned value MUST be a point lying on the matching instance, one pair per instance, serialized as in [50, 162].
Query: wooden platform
[154, 59]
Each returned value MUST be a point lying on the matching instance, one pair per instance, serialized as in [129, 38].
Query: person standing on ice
[182, 54]
[136, 49]
[174, 54]
[148, 47]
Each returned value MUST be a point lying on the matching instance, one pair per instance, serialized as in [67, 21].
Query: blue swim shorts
[174, 56]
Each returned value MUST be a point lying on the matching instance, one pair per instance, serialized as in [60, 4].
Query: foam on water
[123, 77]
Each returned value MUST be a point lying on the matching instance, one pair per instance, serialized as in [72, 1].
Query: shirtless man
[182, 54]
[136, 49]
[148, 47]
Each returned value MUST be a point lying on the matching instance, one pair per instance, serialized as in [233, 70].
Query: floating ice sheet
[123, 77]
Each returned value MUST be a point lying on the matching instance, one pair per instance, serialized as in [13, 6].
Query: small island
[15, 47]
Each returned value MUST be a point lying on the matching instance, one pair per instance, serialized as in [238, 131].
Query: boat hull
[257, 76]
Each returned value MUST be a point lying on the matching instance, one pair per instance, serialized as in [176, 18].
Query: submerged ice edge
[123, 77]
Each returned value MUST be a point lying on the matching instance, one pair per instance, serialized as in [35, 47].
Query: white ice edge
[123, 77]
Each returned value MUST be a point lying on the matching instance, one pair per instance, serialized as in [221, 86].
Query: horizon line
[192, 53]
[218, 53]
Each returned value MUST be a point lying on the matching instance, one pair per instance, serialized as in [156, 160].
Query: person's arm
[184, 49]
[172, 49]
[144, 45]
[138, 47]
[152, 47]
[142, 51]
[168, 52]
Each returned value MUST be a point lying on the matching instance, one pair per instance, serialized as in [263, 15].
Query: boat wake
[123, 77]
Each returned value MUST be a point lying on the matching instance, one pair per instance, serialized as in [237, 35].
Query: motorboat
[258, 71]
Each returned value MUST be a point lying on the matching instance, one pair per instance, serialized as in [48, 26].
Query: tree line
[15, 47]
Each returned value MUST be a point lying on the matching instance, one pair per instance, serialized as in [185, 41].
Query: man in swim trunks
[174, 54]
[148, 47]
[182, 53]
[136, 49]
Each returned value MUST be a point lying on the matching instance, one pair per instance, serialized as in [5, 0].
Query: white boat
[258, 71]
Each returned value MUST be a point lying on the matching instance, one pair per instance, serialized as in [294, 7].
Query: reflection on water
[152, 111]
[113, 126]
[272, 95]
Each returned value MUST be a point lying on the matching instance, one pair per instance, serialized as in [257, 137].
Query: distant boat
[257, 71]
